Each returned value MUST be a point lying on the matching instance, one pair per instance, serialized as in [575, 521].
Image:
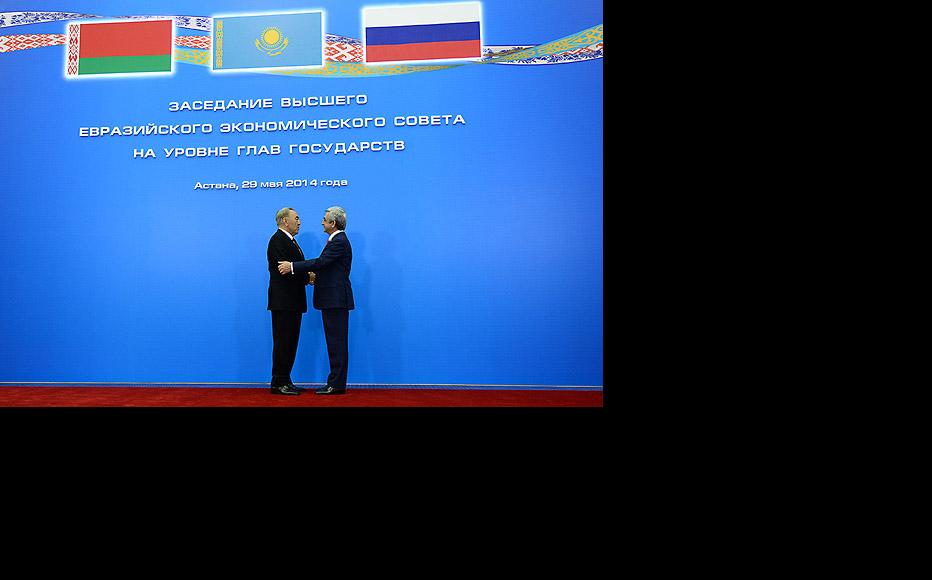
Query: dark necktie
[297, 246]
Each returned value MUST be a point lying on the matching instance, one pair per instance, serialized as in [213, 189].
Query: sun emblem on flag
[272, 42]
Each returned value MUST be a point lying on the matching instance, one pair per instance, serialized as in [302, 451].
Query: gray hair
[282, 214]
[338, 215]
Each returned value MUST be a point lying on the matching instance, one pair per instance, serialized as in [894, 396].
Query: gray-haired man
[287, 301]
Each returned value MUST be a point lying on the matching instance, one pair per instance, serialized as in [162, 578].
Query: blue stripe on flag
[380, 35]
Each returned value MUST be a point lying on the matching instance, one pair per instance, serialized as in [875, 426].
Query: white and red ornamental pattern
[74, 46]
[343, 52]
[27, 41]
[202, 42]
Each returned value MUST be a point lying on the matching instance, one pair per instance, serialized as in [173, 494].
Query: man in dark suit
[333, 294]
[287, 301]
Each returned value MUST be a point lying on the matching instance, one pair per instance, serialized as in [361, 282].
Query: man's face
[292, 223]
[329, 226]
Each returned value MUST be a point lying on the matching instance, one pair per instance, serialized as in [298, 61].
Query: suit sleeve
[332, 252]
[279, 252]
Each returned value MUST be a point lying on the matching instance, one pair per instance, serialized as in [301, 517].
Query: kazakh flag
[268, 41]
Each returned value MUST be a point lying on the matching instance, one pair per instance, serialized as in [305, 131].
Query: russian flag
[422, 32]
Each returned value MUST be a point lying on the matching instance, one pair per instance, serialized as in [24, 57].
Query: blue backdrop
[477, 248]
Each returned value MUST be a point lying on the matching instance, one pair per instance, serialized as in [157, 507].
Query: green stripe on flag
[125, 64]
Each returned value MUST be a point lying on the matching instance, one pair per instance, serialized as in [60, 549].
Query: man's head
[288, 220]
[334, 219]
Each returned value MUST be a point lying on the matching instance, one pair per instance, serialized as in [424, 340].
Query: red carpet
[88, 396]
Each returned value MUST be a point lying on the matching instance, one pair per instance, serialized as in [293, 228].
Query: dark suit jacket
[332, 288]
[285, 292]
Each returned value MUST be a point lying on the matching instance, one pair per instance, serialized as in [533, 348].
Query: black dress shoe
[331, 391]
[285, 390]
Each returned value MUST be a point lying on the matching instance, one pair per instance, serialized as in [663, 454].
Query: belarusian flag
[120, 47]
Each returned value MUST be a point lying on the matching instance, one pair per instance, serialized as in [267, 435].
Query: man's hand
[284, 268]
[311, 277]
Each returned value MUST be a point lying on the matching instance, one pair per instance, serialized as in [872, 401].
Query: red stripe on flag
[145, 38]
[423, 51]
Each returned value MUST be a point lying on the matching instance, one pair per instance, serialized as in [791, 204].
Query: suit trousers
[336, 331]
[286, 328]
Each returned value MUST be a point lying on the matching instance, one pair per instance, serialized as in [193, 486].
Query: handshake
[285, 268]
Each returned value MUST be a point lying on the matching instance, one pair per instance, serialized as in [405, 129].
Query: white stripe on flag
[422, 14]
